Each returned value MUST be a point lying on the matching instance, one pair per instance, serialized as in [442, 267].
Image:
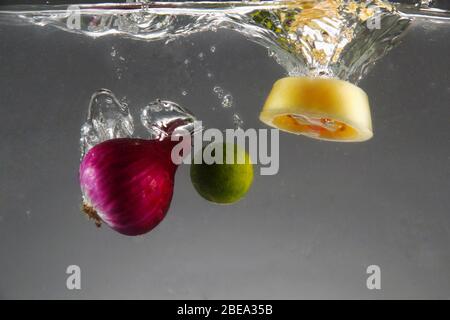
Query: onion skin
[128, 183]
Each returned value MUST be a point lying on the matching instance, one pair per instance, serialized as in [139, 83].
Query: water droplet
[225, 97]
[212, 49]
[219, 91]
[184, 93]
[209, 75]
[237, 121]
[119, 73]
[227, 101]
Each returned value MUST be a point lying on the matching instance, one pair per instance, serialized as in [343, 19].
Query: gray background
[308, 232]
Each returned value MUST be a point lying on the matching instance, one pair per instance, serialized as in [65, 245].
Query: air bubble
[227, 101]
[108, 118]
[162, 118]
[219, 91]
[237, 121]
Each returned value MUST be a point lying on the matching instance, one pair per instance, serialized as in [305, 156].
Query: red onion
[128, 183]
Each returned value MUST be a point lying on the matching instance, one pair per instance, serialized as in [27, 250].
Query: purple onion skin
[129, 183]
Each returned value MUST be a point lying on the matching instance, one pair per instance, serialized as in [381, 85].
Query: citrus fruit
[224, 182]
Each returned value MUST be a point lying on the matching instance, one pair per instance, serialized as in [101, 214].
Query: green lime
[223, 182]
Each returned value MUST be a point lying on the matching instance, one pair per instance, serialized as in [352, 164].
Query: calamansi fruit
[326, 109]
[224, 183]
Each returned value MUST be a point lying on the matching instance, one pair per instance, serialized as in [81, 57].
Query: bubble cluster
[108, 118]
[226, 98]
[161, 118]
[227, 101]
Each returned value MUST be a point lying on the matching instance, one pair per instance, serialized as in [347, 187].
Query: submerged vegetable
[325, 109]
[128, 183]
[224, 182]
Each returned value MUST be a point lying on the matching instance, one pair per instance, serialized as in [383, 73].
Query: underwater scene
[292, 149]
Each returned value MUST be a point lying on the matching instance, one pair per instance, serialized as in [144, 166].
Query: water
[339, 39]
[308, 232]
[162, 118]
[329, 39]
[108, 118]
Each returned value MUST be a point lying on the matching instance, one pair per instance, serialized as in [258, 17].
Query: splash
[108, 118]
[161, 118]
[329, 38]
